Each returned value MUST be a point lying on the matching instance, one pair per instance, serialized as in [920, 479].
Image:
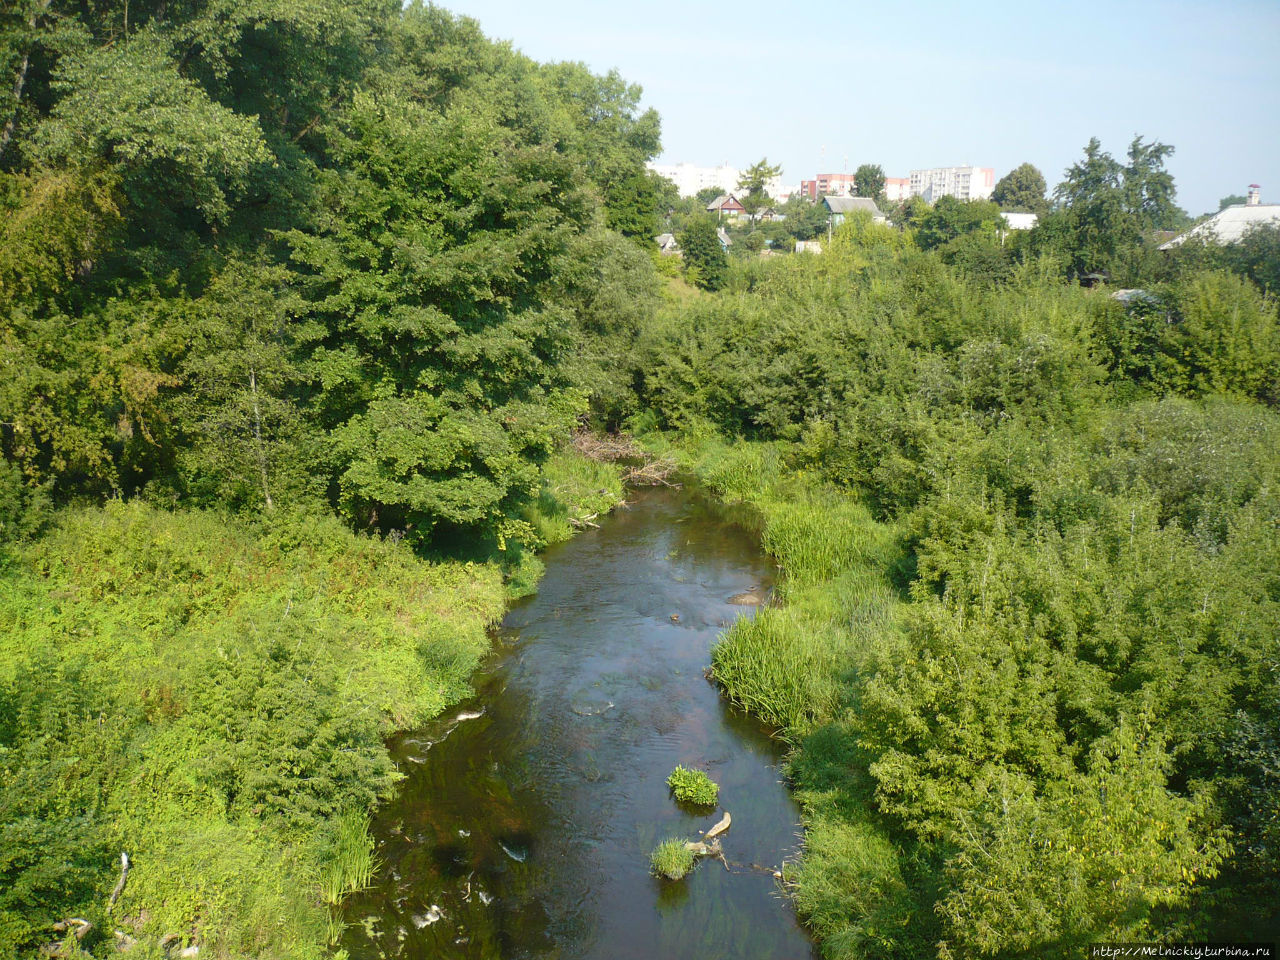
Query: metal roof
[1229, 225]
[850, 204]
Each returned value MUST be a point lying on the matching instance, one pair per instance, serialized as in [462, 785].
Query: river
[525, 821]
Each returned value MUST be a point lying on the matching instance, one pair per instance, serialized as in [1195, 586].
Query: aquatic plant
[352, 865]
[671, 859]
[693, 786]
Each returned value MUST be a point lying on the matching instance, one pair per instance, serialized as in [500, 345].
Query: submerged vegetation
[299, 304]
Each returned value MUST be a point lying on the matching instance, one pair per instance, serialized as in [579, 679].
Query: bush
[671, 859]
[693, 786]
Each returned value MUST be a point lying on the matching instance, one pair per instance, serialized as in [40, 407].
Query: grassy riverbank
[798, 666]
[211, 695]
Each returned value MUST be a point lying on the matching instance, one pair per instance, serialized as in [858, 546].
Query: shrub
[671, 859]
[693, 786]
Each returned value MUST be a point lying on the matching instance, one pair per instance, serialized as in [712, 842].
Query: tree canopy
[868, 180]
[1022, 188]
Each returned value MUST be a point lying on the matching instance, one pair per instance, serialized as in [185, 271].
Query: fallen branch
[725, 822]
[653, 473]
[78, 927]
[124, 875]
[712, 850]
[605, 448]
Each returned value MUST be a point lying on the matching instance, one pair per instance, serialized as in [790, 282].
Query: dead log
[725, 822]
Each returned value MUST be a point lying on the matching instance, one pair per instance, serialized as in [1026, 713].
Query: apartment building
[963, 183]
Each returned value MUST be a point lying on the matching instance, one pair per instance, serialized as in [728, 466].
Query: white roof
[1229, 225]
[850, 204]
[1019, 221]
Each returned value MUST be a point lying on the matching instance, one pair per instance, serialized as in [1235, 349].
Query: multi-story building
[963, 183]
[828, 185]
[897, 188]
[690, 178]
[842, 185]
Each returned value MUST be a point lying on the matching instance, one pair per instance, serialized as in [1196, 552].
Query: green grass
[671, 859]
[352, 864]
[693, 786]
[213, 697]
[573, 487]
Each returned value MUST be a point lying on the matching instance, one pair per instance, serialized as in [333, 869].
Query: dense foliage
[298, 300]
[271, 273]
[1028, 650]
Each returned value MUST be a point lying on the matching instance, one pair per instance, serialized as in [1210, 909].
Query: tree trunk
[20, 81]
[257, 436]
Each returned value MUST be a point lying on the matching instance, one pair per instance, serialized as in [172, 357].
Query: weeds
[671, 859]
[693, 786]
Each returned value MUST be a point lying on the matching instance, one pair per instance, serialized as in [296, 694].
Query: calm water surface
[525, 822]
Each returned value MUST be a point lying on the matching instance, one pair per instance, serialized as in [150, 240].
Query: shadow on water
[525, 821]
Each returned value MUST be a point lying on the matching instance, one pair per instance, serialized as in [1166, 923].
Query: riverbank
[213, 696]
[926, 669]
[800, 664]
[525, 823]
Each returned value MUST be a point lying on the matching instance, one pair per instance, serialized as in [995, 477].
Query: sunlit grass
[671, 859]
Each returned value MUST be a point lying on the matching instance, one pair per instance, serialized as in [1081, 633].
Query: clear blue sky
[923, 84]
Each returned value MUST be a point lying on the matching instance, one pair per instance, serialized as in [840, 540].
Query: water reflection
[524, 825]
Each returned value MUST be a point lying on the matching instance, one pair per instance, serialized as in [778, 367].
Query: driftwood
[613, 448]
[653, 473]
[582, 523]
[606, 448]
[712, 850]
[725, 822]
[77, 926]
[124, 875]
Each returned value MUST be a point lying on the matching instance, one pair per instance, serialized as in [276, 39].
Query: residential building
[726, 205]
[829, 185]
[841, 207]
[690, 178]
[843, 185]
[1230, 224]
[1018, 221]
[897, 189]
[963, 183]
[667, 245]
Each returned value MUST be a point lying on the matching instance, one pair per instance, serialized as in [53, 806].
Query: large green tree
[704, 256]
[1106, 208]
[751, 186]
[1022, 188]
[868, 180]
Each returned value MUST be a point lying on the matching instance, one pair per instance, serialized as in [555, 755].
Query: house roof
[1019, 221]
[666, 241]
[724, 200]
[724, 237]
[850, 204]
[1229, 225]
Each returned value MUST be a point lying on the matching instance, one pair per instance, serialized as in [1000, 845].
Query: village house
[1230, 224]
[842, 207]
[726, 205]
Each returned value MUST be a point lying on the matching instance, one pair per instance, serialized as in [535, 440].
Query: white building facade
[690, 178]
[963, 183]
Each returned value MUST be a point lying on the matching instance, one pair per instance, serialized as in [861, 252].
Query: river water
[525, 822]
